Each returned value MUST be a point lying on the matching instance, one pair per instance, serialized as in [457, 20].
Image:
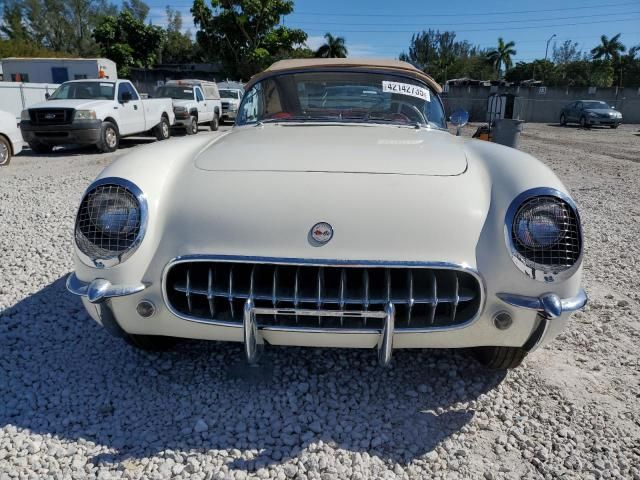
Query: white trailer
[15, 96]
[57, 70]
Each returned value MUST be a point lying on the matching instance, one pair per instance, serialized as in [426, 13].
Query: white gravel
[77, 403]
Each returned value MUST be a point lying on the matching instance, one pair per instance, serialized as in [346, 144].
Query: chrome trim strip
[322, 263]
[548, 304]
[549, 275]
[99, 289]
[104, 263]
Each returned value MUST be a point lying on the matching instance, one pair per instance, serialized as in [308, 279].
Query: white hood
[75, 104]
[336, 148]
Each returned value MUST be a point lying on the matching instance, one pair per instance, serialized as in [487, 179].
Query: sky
[383, 28]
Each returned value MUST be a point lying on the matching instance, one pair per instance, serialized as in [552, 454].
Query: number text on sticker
[406, 89]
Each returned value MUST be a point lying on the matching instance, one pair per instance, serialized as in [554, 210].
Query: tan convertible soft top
[385, 65]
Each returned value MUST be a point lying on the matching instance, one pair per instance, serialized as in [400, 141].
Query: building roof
[66, 59]
[387, 65]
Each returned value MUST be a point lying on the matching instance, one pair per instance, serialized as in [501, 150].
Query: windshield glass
[175, 92]
[229, 94]
[84, 90]
[595, 104]
[345, 96]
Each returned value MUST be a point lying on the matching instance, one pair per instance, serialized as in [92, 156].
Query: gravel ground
[76, 403]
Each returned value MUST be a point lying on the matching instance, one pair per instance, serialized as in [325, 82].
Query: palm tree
[608, 49]
[501, 55]
[334, 48]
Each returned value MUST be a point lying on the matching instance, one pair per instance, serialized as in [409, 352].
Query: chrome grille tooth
[230, 293]
[274, 290]
[251, 281]
[365, 275]
[434, 294]
[410, 298]
[210, 297]
[343, 286]
[296, 287]
[320, 293]
[188, 290]
[387, 283]
[456, 298]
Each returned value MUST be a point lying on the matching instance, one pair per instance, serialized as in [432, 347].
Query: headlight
[591, 114]
[24, 115]
[84, 115]
[111, 221]
[544, 234]
[233, 106]
[179, 109]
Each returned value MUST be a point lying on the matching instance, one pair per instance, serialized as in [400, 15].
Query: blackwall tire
[109, 138]
[151, 343]
[563, 120]
[5, 152]
[215, 124]
[499, 358]
[192, 127]
[162, 131]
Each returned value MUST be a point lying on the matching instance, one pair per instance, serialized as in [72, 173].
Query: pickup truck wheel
[215, 123]
[192, 126]
[40, 148]
[499, 358]
[109, 138]
[5, 151]
[162, 131]
[151, 343]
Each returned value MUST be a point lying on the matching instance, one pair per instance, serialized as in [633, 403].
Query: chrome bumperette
[100, 289]
[549, 304]
[540, 272]
[109, 262]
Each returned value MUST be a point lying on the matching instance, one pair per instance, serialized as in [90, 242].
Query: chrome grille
[423, 297]
[51, 116]
[124, 214]
[563, 253]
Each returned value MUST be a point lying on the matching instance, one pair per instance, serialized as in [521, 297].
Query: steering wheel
[414, 110]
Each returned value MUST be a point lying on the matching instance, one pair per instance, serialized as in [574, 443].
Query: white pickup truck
[94, 112]
[195, 102]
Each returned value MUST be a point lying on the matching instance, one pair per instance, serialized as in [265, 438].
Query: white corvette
[338, 212]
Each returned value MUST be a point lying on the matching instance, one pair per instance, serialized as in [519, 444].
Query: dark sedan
[590, 112]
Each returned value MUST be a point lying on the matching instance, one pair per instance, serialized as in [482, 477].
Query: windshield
[229, 94]
[344, 96]
[175, 92]
[84, 90]
[595, 105]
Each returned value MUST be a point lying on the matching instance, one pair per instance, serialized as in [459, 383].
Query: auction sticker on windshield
[406, 89]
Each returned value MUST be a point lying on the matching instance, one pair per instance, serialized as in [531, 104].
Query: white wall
[15, 97]
[39, 69]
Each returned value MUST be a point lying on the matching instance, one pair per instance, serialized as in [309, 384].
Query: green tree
[333, 48]
[21, 48]
[245, 35]
[178, 47]
[567, 52]
[128, 41]
[13, 22]
[501, 55]
[609, 49]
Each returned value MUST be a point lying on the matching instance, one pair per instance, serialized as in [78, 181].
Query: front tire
[151, 343]
[162, 131]
[40, 148]
[5, 152]
[563, 120]
[499, 358]
[192, 127]
[215, 123]
[583, 122]
[109, 138]
[614, 126]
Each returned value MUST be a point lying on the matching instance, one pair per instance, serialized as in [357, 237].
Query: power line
[413, 15]
[484, 29]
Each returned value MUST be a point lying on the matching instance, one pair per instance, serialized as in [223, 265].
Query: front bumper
[83, 132]
[228, 114]
[545, 316]
[604, 121]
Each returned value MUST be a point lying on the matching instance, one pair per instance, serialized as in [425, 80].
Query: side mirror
[126, 97]
[47, 95]
[459, 118]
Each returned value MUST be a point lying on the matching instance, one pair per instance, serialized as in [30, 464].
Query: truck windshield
[175, 92]
[84, 90]
[229, 94]
[340, 97]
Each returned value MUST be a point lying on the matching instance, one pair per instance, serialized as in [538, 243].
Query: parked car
[194, 102]
[10, 139]
[230, 102]
[363, 225]
[94, 112]
[590, 112]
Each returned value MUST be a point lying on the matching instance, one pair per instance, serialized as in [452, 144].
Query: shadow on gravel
[62, 375]
[73, 150]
